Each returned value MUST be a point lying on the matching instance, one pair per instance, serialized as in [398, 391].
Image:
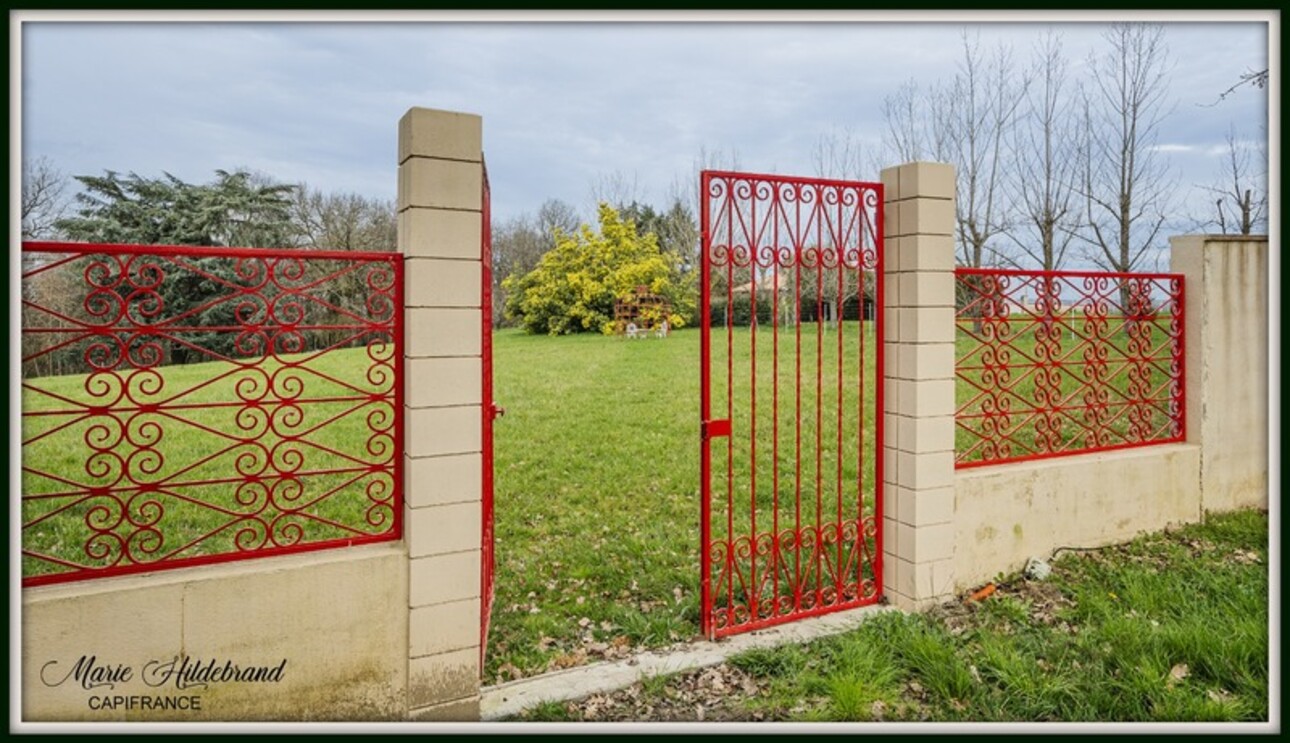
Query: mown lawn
[597, 498]
[597, 482]
[1170, 627]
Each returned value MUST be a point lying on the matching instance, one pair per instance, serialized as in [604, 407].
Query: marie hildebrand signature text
[181, 671]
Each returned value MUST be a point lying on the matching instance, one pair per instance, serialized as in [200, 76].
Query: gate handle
[498, 411]
[715, 428]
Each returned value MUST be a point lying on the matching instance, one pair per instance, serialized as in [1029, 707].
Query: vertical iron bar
[730, 397]
[486, 344]
[753, 590]
[840, 246]
[797, 388]
[775, 211]
[819, 393]
[705, 408]
[880, 373]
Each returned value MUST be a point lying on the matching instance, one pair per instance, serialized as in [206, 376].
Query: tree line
[1054, 166]
[236, 209]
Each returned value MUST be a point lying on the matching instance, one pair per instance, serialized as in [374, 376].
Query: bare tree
[1241, 197]
[904, 114]
[1044, 156]
[344, 221]
[1254, 78]
[615, 188]
[520, 242]
[977, 117]
[917, 122]
[837, 155]
[1125, 186]
[556, 215]
[43, 202]
[684, 196]
[685, 187]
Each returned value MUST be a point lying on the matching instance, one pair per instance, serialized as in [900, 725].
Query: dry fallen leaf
[1219, 695]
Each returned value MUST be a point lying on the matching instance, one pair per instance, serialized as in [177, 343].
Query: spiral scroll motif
[230, 403]
[1066, 362]
[778, 250]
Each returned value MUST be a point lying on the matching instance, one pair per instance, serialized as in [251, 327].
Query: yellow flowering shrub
[574, 285]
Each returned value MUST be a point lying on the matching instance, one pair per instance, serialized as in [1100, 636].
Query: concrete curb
[504, 700]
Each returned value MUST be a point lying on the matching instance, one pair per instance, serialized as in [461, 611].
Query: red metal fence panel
[193, 405]
[489, 411]
[791, 338]
[1053, 363]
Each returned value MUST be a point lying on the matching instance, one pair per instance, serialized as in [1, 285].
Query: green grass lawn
[597, 498]
[1170, 627]
[597, 484]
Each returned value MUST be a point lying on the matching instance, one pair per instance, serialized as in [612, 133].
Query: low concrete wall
[1006, 514]
[337, 618]
[1227, 362]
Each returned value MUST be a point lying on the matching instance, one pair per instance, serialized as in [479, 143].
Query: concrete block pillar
[439, 233]
[1226, 341]
[918, 534]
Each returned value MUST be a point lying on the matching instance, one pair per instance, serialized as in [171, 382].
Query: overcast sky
[565, 105]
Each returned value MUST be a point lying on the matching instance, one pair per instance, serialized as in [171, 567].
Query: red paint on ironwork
[111, 494]
[705, 412]
[879, 410]
[757, 228]
[717, 429]
[1094, 363]
[489, 411]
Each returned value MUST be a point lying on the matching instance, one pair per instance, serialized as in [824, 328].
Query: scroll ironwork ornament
[191, 405]
[790, 297]
[1066, 362]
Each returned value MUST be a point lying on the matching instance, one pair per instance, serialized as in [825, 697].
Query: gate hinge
[714, 429]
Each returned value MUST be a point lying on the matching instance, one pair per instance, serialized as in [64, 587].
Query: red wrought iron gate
[791, 365]
[489, 411]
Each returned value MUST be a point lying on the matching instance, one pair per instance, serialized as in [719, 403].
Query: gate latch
[715, 429]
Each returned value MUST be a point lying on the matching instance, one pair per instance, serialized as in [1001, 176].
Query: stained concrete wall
[1227, 358]
[335, 616]
[1006, 514]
